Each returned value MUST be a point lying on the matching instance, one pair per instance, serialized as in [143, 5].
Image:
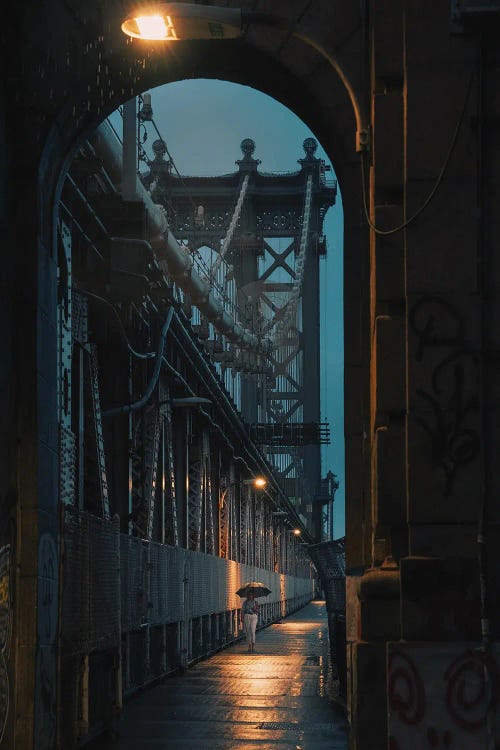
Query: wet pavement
[278, 698]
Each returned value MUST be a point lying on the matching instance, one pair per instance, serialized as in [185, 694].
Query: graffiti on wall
[440, 695]
[449, 391]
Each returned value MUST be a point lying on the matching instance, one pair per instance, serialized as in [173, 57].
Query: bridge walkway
[278, 698]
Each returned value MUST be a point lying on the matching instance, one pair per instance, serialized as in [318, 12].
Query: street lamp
[172, 22]
[168, 22]
[259, 483]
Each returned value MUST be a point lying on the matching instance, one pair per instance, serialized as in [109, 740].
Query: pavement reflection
[277, 698]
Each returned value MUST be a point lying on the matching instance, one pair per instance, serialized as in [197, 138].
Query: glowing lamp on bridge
[174, 21]
[153, 27]
[259, 483]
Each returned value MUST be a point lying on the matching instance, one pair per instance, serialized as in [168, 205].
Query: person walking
[250, 611]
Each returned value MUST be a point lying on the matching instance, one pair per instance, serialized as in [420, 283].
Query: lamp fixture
[260, 482]
[160, 22]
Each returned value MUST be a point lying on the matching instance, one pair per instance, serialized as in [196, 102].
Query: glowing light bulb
[154, 27]
[260, 482]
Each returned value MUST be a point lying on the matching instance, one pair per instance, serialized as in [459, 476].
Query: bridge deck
[276, 698]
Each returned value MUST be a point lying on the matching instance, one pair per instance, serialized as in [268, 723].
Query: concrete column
[373, 603]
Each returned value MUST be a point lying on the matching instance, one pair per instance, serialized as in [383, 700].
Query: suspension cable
[209, 272]
[232, 226]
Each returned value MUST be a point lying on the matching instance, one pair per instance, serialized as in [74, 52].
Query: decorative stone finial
[247, 148]
[159, 148]
[310, 146]
[248, 163]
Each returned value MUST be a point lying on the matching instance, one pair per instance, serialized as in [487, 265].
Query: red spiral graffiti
[406, 689]
[471, 689]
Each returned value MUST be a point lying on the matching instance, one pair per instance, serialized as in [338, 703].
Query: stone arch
[238, 62]
[303, 81]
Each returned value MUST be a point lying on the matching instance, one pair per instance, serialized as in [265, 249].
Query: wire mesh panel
[298, 588]
[90, 617]
[117, 583]
[104, 585]
[175, 561]
[90, 601]
[158, 584]
[204, 584]
[134, 598]
[166, 584]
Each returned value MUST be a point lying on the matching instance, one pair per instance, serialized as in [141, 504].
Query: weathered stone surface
[379, 605]
[439, 599]
[367, 692]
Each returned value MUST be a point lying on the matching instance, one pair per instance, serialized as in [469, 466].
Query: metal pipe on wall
[129, 151]
[107, 146]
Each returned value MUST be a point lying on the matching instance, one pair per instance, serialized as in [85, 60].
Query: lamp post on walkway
[227, 546]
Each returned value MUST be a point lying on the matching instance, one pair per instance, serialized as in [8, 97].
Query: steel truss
[241, 217]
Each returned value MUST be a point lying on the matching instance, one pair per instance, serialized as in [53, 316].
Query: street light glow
[153, 27]
[297, 532]
[260, 482]
[168, 22]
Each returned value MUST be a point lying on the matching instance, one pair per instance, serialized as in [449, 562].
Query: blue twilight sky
[203, 123]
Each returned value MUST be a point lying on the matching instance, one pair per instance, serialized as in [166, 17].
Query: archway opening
[201, 342]
[199, 128]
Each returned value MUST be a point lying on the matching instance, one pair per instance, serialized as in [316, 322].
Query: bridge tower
[264, 232]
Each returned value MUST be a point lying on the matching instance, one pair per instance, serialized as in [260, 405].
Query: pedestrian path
[274, 699]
